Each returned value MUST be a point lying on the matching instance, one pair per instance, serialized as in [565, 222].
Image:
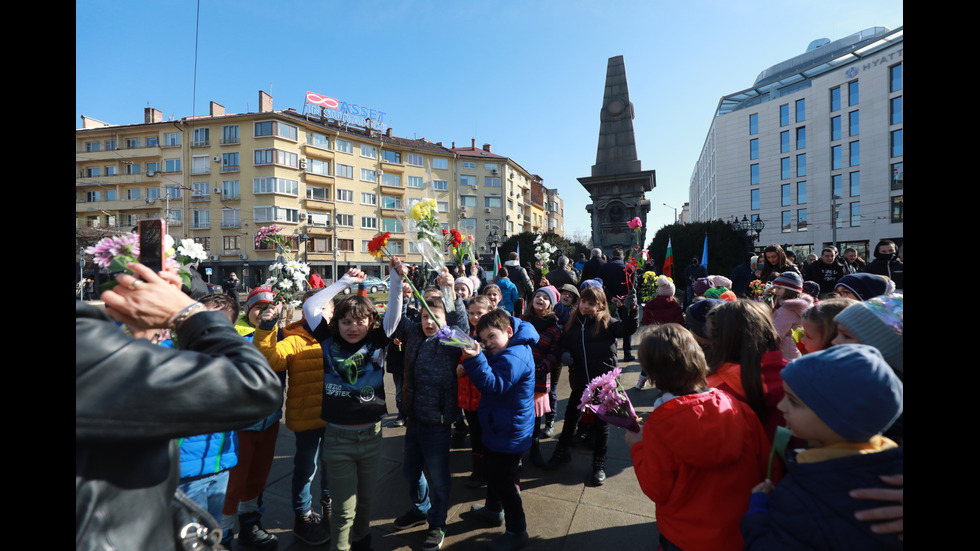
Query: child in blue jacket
[505, 379]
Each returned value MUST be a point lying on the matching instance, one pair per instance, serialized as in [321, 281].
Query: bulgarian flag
[669, 261]
[496, 262]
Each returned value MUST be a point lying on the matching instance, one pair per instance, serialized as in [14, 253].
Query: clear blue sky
[524, 76]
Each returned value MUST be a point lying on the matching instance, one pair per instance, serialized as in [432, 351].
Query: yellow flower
[423, 209]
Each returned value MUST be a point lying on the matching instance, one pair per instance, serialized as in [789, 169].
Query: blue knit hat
[850, 387]
[597, 282]
[697, 315]
[864, 285]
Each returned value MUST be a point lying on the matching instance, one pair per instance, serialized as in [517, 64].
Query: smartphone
[152, 243]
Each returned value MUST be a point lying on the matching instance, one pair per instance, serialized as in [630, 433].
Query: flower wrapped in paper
[606, 398]
[452, 336]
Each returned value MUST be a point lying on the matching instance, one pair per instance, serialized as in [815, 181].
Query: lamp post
[756, 225]
[675, 211]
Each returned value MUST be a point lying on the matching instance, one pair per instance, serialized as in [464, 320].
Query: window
[855, 184]
[93, 171]
[174, 192]
[316, 166]
[898, 210]
[442, 206]
[200, 164]
[152, 141]
[784, 141]
[467, 200]
[467, 181]
[153, 167]
[391, 202]
[413, 159]
[835, 128]
[231, 218]
[320, 245]
[801, 220]
[895, 110]
[229, 162]
[852, 94]
[346, 220]
[801, 193]
[171, 165]
[93, 196]
[754, 174]
[369, 175]
[203, 241]
[492, 201]
[896, 143]
[200, 219]
[317, 140]
[491, 181]
[854, 158]
[837, 186]
[229, 134]
[753, 123]
[787, 224]
[345, 146]
[110, 145]
[786, 195]
[133, 168]
[230, 243]
[391, 180]
[784, 168]
[318, 219]
[897, 176]
[277, 157]
[415, 182]
[754, 198]
[468, 225]
[800, 110]
[836, 160]
[492, 167]
[440, 163]
[132, 143]
[171, 139]
[853, 123]
[754, 148]
[281, 186]
[391, 156]
[468, 164]
[895, 82]
[855, 214]
[229, 189]
[801, 137]
[345, 245]
[784, 114]
[276, 128]
[369, 223]
[93, 146]
[369, 198]
[394, 225]
[345, 171]
[440, 185]
[835, 99]
[133, 194]
[801, 165]
[369, 151]
[153, 193]
[345, 195]
[317, 193]
[202, 136]
[200, 190]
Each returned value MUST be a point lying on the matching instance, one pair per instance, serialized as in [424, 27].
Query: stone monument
[618, 183]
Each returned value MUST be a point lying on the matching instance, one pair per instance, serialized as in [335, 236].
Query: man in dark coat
[615, 284]
[742, 275]
[561, 275]
[591, 269]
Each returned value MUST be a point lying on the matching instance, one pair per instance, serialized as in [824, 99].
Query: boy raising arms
[839, 399]
[505, 378]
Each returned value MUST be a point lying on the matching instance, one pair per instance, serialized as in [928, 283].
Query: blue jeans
[305, 463]
[426, 468]
[208, 492]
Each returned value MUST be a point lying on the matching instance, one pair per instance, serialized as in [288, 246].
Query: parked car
[372, 284]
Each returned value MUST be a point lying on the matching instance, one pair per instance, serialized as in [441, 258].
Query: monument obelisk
[618, 183]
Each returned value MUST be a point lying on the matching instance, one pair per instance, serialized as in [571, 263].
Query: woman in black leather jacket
[132, 398]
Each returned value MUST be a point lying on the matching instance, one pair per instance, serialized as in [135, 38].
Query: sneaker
[309, 529]
[641, 384]
[549, 429]
[486, 515]
[398, 422]
[410, 519]
[434, 538]
[509, 542]
[253, 536]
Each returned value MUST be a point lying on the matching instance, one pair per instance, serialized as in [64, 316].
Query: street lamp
[675, 211]
[755, 225]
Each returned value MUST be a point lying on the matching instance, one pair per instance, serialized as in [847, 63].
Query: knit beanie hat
[879, 323]
[466, 282]
[571, 289]
[597, 282]
[720, 293]
[850, 387]
[697, 315]
[259, 295]
[720, 281]
[553, 295]
[701, 285]
[790, 280]
[665, 287]
[812, 288]
[864, 285]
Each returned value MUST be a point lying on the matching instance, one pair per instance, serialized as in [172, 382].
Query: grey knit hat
[878, 322]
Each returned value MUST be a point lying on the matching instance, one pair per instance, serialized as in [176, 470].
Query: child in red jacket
[699, 449]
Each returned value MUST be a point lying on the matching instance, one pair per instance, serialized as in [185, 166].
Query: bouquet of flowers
[606, 398]
[287, 278]
[451, 336]
[648, 286]
[114, 253]
[757, 289]
[543, 252]
[636, 256]
[378, 248]
[459, 246]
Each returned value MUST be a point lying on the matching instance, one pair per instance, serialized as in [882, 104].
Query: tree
[568, 248]
[726, 248]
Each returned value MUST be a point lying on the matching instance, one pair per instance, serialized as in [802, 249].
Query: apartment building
[219, 177]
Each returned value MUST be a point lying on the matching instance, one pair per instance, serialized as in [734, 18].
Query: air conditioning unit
[302, 164]
[508, 217]
[243, 256]
[493, 171]
[215, 257]
[216, 159]
[150, 173]
[217, 191]
[487, 210]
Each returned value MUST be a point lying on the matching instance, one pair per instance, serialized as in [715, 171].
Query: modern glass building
[814, 148]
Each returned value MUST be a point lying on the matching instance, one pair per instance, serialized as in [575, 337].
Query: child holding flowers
[699, 451]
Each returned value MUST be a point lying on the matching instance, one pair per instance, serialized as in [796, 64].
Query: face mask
[888, 257]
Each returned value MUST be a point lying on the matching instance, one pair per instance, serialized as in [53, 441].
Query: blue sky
[525, 76]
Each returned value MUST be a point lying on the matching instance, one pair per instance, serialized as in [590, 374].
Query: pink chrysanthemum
[110, 247]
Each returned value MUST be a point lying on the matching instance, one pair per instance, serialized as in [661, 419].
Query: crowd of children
[731, 375]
